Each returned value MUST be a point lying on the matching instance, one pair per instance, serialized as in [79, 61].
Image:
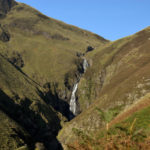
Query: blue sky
[112, 19]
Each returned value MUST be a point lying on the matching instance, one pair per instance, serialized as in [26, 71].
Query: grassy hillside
[46, 50]
[20, 100]
[45, 43]
[39, 59]
[117, 69]
[117, 78]
[129, 130]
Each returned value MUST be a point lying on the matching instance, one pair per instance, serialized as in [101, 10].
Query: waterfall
[73, 99]
[85, 65]
[73, 103]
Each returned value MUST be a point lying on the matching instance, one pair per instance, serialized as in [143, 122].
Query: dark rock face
[56, 99]
[89, 48]
[31, 121]
[78, 54]
[17, 60]
[4, 35]
[6, 5]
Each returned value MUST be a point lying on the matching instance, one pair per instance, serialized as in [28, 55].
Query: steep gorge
[35, 84]
[54, 77]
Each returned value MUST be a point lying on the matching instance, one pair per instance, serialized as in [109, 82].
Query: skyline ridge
[110, 19]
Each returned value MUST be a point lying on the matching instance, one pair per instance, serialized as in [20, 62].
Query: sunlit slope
[118, 77]
[116, 70]
[128, 130]
[36, 55]
[48, 47]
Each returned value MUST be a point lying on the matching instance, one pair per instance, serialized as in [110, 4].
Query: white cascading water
[73, 103]
[85, 65]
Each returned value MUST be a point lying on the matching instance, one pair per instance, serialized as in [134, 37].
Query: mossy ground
[132, 133]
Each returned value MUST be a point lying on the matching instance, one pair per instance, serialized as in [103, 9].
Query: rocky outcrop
[89, 48]
[6, 5]
[54, 97]
[17, 60]
[4, 35]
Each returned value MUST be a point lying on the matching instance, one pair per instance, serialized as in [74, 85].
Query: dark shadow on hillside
[57, 103]
[52, 99]
[32, 122]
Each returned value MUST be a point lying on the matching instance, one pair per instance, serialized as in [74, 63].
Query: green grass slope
[116, 70]
[129, 130]
[45, 50]
[40, 60]
[20, 100]
[45, 43]
[38, 57]
[117, 77]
